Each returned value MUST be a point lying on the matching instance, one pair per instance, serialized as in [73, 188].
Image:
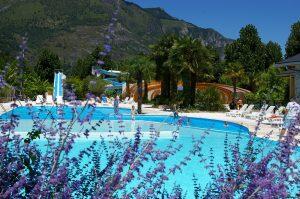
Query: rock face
[73, 28]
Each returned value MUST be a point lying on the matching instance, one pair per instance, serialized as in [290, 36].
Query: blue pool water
[195, 127]
[46, 112]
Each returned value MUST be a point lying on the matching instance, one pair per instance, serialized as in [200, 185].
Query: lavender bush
[119, 167]
[115, 168]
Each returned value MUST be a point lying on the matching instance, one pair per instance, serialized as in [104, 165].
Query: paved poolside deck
[149, 110]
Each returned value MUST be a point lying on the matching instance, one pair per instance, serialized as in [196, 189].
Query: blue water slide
[58, 85]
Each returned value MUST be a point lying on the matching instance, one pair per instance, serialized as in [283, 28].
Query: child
[132, 112]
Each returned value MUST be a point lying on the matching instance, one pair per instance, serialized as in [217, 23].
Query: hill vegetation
[73, 29]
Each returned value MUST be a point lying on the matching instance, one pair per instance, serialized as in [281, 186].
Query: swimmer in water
[188, 121]
[226, 124]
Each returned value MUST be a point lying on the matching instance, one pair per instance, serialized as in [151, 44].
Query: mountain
[73, 28]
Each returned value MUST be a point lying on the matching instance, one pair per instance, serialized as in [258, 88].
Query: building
[292, 66]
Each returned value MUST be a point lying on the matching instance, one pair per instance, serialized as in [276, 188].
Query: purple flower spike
[93, 82]
[103, 53]
[100, 62]
[97, 72]
[2, 82]
[107, 48]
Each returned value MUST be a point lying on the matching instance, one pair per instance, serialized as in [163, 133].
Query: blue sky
[273, 18]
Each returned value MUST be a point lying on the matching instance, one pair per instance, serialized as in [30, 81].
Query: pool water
[193, 127]
[46, 112]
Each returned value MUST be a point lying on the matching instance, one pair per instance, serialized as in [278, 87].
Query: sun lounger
[269, 112]
[126, 100]
[59, 100]
[131, 101]
[248, 110]
[279, 111]
[49, 99]
[104, 101]
[235, 112]
[39, 99]
[256, 115]
[278, 122]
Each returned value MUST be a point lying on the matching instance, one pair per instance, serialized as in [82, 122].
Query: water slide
[226, 91]
[58, 87]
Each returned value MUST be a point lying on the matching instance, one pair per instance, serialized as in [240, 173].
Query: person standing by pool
[133, 112]
[239, 104]
[291, 115]
[116, 104]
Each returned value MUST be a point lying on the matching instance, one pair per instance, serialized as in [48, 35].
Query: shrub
[81, 87]
[77, 85]
[34, 85]
[110, 93]
[6, 93]
[95, 85]
[271, 89]
[209, 100]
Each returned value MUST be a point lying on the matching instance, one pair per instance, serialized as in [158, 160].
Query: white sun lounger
[278, 121]
[49, 99]
[39, 99]
[269, 112]
[256, 115]
[104, 101]
[59, 100]
[131, 101]
[248, 110]
[279, 111]
[126, 100]
[234, 112]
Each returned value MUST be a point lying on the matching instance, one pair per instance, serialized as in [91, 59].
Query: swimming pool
[192, 128]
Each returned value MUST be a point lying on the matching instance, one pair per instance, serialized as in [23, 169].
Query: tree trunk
[145, 97]
[251, 83]
[186, 88]
[193, 88]
[234, 89]
[140, 90]
[173, 85]
[165, 85]
[127, 89]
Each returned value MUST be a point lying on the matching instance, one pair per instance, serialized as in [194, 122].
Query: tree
[218, 65]
[126, 75]
[292, 46]
[249, 50]
[148, 70]
[47, 63]
[273, 53]
[83, 67]
[272, 88]
[160, 54]
[195, 61]
[235, 72]
[141, 68]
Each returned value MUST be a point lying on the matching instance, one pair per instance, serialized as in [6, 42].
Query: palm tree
[148, 70]
[126, 75]
[235, 72]
[141, 68]
[194, 59]
[160, 54]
